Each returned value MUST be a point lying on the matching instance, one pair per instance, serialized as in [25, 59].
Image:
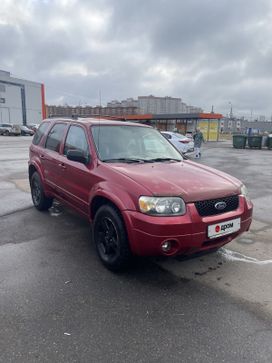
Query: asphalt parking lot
[59, 304]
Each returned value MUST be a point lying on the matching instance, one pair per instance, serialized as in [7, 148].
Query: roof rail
[73, 117]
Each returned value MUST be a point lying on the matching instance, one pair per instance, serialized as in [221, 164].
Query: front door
[77, 177]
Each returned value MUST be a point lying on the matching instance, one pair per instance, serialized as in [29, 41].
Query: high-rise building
[193, 109]
[129, 102]
[159, 105]
[156, 105]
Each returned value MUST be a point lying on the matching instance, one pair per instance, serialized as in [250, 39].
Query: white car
[182, 143]
[9, 129]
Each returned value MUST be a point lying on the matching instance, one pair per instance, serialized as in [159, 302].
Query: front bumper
[188, 233]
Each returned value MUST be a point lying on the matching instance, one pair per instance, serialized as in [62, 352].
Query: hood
[191, 181]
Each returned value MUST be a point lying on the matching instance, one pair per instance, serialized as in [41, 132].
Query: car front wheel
[110, 238]
[40, 201]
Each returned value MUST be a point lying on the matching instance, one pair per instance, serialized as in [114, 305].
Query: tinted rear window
[55, 137]
[40, 132]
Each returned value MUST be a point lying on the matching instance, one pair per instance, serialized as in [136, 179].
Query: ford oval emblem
[220, 205]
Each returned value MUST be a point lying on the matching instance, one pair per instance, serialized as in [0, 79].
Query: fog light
[166, 246]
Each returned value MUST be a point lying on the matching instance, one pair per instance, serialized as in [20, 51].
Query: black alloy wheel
[110, 238]
[40, 201]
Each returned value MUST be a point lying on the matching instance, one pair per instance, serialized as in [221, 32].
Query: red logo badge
[217, 229]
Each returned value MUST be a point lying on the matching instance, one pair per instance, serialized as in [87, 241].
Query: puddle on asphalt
[56, 209]
[232, 256]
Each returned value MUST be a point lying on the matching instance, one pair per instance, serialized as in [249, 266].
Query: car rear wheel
[40, 201]
[110, 238]
[6, 133]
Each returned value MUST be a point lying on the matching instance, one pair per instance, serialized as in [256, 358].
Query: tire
[6, 133]
[110, 238]
[40, 201]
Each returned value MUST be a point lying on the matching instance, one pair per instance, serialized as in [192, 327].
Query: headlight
[162, 206]
[244, 192]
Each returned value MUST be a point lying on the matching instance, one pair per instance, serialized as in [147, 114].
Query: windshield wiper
[124, 160]
[134, 160]
[163, 159]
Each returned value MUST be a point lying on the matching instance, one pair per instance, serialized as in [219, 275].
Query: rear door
[50, 155]
[36, 150]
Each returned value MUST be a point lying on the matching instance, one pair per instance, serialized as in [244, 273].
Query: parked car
[189, 134]
[9, 130]
[183, 143]
[33, 127]
[5, 129]
[25, 131]
[136, 189]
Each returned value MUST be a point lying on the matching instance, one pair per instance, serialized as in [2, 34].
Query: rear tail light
[184, 141]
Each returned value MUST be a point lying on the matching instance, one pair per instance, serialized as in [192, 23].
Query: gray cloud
[207, 52]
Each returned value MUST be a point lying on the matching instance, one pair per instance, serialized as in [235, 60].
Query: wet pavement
[14, 188]
[243, 269]
[59, 304]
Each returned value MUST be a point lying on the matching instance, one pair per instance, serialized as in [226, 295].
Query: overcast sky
[208, 52]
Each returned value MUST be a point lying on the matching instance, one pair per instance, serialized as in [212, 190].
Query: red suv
[141, 196]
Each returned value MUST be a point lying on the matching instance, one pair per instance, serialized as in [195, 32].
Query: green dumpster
[239, 141]
[255, 141]
[269, 142]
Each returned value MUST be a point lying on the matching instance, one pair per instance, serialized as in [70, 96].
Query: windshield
[132, 144]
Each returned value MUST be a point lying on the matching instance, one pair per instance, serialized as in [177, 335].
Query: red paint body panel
[147, 233]
[188, 179]
[78, 185]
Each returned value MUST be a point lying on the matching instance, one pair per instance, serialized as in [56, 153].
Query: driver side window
[76, 140]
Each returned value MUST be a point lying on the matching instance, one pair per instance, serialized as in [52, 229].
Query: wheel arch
[31, 171]
[100, 200]
[121, 259]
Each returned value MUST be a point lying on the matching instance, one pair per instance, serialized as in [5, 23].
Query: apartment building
[156, 105]
[88, 111]
[159, 105]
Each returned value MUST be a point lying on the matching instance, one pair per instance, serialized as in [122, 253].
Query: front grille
[207, 207]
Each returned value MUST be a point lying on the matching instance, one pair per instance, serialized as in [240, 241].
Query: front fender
[123, 199]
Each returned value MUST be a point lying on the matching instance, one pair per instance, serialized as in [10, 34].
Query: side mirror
[78, 155]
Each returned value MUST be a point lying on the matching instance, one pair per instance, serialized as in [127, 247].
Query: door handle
[63, 166]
